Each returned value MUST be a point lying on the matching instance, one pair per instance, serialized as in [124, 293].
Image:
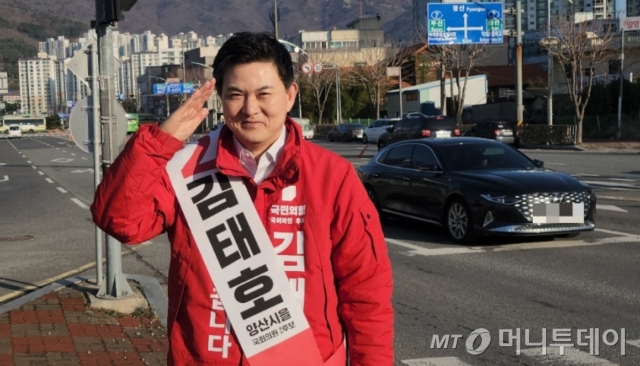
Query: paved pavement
[56, 326]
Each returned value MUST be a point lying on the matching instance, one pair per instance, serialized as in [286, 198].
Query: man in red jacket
[295, 212]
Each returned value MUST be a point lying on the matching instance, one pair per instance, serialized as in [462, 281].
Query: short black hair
[248, 47]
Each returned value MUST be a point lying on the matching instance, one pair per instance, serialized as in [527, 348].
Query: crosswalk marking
[418, 250]
[610, 208]
[572, 356]
[435, 361]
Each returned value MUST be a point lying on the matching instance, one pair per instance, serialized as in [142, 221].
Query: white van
[307, 129]
[15, 132]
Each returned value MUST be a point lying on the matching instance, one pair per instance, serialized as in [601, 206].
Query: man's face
[256, 103]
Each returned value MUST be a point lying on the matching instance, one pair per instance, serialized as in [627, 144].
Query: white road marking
[34, 167]
[62, 160]
[80, 203]
[571, 356]
[635, 343]
[83, 158]
[554, 163]
[41, 173]
[608, 184]
[435, 361]
[83, 171]
[73, 154]
[623, 180]
[28, 162]
[610, 208]
[587, 175]
[48, 180]
[6, 178]
[57, 148]
[418, 250]
[62, 190]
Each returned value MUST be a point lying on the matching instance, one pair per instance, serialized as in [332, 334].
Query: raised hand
[184, 120]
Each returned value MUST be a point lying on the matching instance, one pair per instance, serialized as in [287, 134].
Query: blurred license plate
[507, 132]
[558, 213]
[443, 134]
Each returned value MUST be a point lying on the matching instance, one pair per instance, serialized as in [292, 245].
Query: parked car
[346, 132]
[499, 130]
[377, 128]
[475, 187]
[416, 126]
[307, 129]
[14, 132]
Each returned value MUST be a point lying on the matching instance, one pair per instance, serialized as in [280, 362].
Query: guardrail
[548, 135]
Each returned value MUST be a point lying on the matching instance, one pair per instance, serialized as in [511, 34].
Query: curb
[154, 294]
[553, 147]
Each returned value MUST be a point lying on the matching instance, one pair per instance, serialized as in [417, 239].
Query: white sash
[240, 258]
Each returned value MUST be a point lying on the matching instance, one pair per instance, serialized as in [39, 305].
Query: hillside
[212, 17]
[26, 22]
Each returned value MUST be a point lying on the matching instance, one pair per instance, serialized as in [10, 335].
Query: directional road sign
[81, 125]
[173, 88]
[306, 68]
[464, 23]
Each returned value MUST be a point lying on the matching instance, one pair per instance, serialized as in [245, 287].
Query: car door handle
[406, 178]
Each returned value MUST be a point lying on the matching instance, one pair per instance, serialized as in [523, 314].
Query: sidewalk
[58, 327]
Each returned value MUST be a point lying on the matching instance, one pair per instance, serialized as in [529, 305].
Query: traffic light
[111, 10]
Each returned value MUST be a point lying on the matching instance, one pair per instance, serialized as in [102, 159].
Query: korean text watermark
[479, 340]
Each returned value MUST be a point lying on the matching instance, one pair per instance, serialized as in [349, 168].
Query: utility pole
[550, 70]
[520, 107]
[275, 17]
[619, 133]
[108, 13]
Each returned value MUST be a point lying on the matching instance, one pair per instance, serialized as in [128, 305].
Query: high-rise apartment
[38, 84]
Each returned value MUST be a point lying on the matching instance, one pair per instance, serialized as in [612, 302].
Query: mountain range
[213, 17]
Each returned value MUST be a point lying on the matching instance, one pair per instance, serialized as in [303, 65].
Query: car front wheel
[458, 222]
[365, 139]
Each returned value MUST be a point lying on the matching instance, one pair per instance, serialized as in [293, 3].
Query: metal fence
[548, 135]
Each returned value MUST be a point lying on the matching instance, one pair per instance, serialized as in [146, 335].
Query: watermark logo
[479, 340]
[485, 341]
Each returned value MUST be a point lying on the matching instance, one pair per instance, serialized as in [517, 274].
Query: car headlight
[500, 198]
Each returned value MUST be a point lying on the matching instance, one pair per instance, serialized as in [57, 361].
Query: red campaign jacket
[319, 218]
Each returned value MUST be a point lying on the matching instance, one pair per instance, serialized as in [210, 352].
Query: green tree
[53, 122]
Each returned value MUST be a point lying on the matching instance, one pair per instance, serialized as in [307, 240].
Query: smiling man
[277, 253]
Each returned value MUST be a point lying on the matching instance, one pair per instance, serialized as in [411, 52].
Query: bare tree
[320, 86]
[457, 61]
[373, 77]
[578, 48]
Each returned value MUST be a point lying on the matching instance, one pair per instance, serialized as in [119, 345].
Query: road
[441, 289]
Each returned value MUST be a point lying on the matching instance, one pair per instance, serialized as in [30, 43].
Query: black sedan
[475, 187]
[346, 132]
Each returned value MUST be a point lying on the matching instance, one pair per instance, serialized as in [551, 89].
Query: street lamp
[297, 49]
[165, 92]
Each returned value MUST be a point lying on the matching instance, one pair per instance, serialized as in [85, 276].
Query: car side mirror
[538, 163]
[390, 129]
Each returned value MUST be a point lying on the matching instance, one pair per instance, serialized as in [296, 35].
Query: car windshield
[481, 156]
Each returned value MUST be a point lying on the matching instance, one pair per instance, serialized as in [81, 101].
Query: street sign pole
[619, 133]
[94, 105]
[115, 286]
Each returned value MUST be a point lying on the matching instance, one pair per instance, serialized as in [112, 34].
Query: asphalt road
[536, 285]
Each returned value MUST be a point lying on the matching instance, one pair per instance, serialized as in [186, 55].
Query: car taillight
[497, 132]
[425, 133]
[456, 132]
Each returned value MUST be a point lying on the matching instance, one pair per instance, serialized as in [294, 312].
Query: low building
[424, 97]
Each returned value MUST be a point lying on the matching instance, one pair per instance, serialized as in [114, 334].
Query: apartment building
[38, 77]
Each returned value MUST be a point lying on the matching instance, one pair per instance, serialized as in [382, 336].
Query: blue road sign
[173, 88]
[464, 23]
